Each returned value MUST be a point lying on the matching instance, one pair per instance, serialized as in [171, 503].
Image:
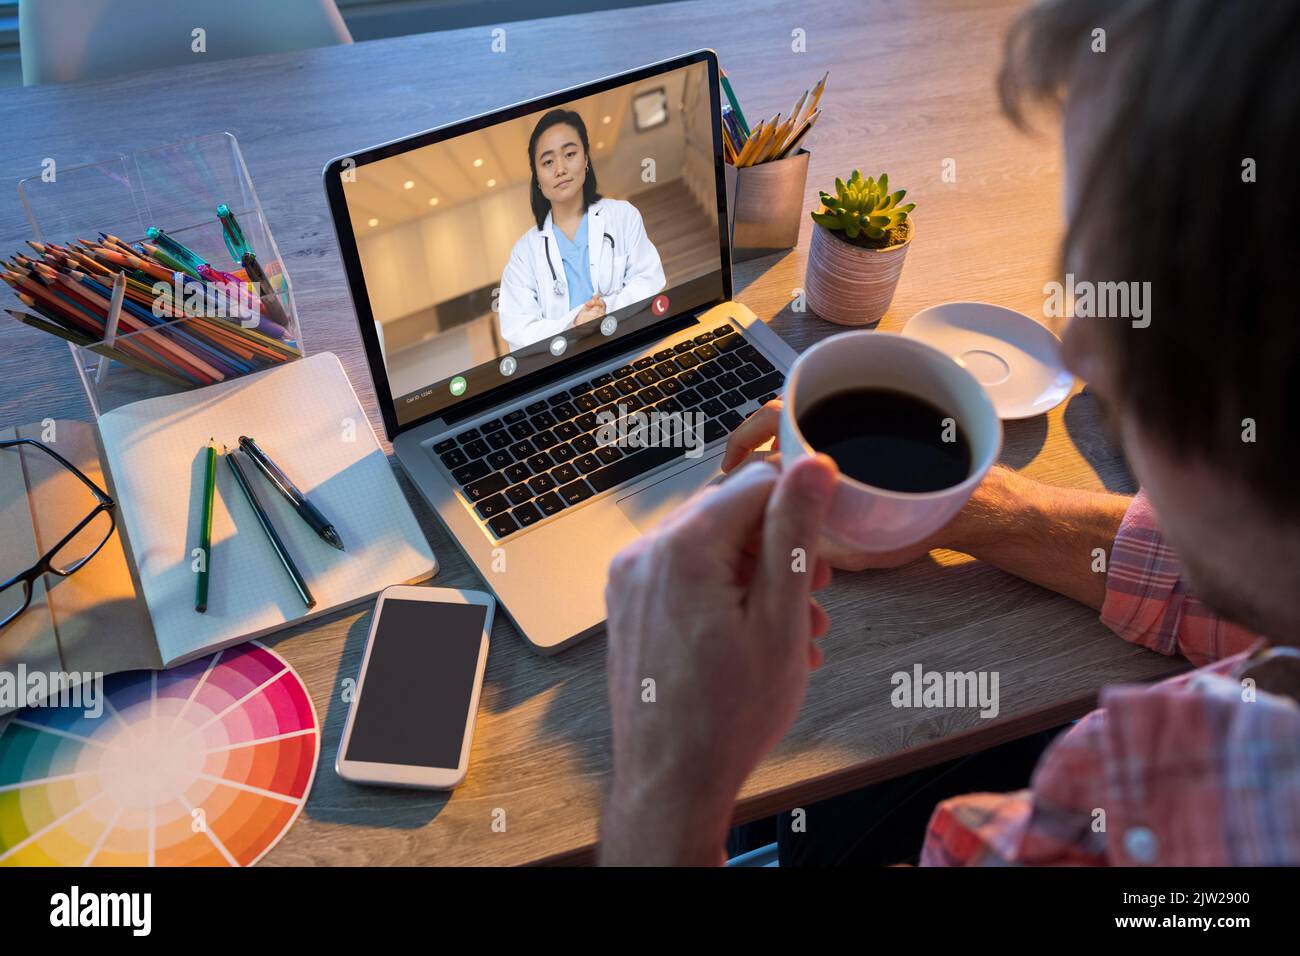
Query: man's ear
[1086, 354]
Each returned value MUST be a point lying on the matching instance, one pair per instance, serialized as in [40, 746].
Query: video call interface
[495, 253]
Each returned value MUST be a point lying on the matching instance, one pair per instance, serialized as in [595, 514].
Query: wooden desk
[911, 86]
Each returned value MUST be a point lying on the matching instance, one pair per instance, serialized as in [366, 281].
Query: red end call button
[660, 305]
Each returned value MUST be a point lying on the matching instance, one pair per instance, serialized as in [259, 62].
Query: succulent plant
[865, 211]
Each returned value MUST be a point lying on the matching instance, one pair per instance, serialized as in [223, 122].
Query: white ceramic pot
[849, 284]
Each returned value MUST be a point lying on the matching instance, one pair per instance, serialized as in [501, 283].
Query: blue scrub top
[577, 262]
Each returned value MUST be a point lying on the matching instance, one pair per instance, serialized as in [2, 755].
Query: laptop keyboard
[535, 461]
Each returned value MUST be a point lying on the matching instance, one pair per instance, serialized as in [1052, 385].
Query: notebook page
[307, 419]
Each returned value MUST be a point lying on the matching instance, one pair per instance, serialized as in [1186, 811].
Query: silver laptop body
[539, 499]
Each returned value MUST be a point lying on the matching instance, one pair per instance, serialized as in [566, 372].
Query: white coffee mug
[863, 517]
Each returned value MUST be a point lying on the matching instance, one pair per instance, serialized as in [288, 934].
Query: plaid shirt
[1199, 770]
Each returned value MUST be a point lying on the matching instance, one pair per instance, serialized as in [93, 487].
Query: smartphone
[412, 717]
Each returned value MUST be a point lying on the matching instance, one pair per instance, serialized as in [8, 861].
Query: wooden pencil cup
[765, 205]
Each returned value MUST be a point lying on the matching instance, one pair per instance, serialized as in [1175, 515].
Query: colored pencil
[137, 320]
[53, 328]
[104, 295]
[735, 105]
[205, 526]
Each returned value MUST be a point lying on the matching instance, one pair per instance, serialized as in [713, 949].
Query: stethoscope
[558, 287]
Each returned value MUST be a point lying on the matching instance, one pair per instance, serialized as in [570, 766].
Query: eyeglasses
[71, 553]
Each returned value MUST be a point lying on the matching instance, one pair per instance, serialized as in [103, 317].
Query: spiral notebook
[307, 418]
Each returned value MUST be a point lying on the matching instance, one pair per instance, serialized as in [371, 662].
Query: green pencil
[735, 105]
[205, 532]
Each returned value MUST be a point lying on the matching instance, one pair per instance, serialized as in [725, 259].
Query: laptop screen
[490, 254]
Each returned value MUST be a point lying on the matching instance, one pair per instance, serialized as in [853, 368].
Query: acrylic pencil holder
[171, 336]
[174, 356]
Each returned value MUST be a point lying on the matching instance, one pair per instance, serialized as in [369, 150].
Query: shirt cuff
[1141, 577]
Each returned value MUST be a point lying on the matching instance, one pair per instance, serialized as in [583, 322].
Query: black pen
[264, 520]
[309, 512]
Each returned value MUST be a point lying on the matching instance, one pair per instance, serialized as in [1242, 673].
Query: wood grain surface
[911, 88]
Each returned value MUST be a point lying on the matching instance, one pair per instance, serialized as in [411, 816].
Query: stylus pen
[308, 511]
[264, 520]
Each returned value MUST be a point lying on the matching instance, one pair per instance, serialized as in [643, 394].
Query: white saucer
[1017, 360]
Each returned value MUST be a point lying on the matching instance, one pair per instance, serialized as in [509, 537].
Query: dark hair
[541, 206]
[1199, 98]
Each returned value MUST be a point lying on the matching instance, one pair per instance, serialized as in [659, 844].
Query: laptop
[544, 293]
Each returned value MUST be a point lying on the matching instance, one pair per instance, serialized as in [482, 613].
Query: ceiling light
[491, 183]
[409, 184]
[373, 222]
[477, 163]
[433, 201]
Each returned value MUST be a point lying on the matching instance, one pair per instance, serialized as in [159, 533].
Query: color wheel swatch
[206, 764]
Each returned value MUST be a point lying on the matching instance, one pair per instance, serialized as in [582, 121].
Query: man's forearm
[674, 829]
[1042, 533]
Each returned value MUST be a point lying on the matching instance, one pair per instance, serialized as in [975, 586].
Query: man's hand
[592, 310]
[710, 647]
[1042, 533]
[764, 426]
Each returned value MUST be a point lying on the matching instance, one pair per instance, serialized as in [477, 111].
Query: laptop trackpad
[648, 506]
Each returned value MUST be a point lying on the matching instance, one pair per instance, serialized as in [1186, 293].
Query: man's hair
[541, 205]
[1205, 102]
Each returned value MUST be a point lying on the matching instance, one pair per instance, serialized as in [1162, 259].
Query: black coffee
[889, 439]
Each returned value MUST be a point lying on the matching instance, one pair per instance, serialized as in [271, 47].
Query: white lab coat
[530, 310]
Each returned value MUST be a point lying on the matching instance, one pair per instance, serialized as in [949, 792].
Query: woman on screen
[586, 257]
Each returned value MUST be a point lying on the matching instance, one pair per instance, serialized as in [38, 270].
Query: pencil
[733, 127]
[798, 106]
[791, 146]
[751, 144]
[205, 527]
[778, 138]
[162, 257]
[136, 319]
[75, 291]
[179, 341]
[735, 106]
[80, 338]
[69, 308]
[728, 150]
[762, 140]
[818, 90]
[123, 261]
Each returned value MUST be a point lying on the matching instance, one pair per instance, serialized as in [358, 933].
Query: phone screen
[414, 701]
